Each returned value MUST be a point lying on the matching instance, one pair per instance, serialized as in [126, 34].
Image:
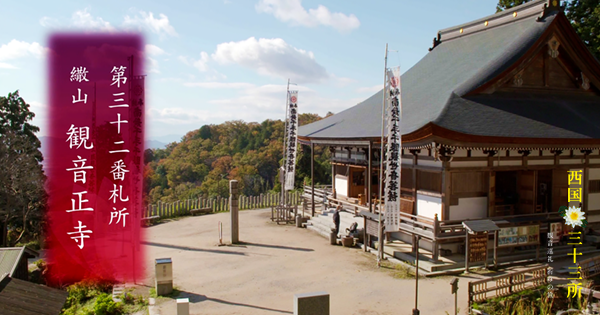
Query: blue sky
[214, 61]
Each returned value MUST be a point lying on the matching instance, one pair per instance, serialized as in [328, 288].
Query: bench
[201, 211]
[148, 220]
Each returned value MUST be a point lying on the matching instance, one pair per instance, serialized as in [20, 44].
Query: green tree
[22, 193]
[585, 19]
[584, 16]
[507, 4]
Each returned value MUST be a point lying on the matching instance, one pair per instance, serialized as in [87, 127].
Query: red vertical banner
[95, 162]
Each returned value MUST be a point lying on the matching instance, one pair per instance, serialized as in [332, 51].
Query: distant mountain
[166, 139]
[154, 144]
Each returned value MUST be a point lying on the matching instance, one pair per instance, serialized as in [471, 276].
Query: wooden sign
[519, 236]
[372, 228]
[478, 247]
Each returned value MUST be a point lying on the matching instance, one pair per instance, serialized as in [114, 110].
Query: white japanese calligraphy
[79, 170]
[79, 202]
[120, 194]
[79, 74]
[82, 234]
[118, 76]
[119, 170]
[118, 214]
[78, 100]
[79, 136]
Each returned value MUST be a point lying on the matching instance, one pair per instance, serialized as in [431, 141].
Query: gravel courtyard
[261, 275]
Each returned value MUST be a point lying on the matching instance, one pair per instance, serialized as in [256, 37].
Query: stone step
[118, 290]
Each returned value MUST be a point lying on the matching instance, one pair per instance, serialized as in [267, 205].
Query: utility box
[164, 276]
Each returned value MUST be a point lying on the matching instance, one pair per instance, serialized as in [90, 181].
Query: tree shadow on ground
[197, 298]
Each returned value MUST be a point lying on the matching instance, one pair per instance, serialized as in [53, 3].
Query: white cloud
[293, 12]
[17, 49]
[220, 85]
[153, 65]
[154, 50]
[200, 64]
[370, 89]
[252, 104]
[272, 57]
[160, 25]
[49, 22]
[83, 19]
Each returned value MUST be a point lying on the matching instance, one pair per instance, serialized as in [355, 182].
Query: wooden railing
[504, 285]
[589, 267]
[219, 204]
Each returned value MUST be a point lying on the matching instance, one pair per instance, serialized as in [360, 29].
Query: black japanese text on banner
[292, 144]
[393, 158]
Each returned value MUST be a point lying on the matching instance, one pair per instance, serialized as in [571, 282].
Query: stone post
[183, 306]
[234, 209]
[311, 304]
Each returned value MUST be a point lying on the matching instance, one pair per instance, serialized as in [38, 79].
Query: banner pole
[285, 134]
[381, 181]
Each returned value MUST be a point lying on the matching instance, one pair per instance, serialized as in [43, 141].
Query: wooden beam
[518, 168]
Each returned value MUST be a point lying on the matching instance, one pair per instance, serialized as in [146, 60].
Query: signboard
[478, 245]
[95, 161]
[556, 229]
[292, 143]
[519, 236]
[393, 156]
[372, 228]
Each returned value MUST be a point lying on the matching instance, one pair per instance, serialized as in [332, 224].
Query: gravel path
[275, 262]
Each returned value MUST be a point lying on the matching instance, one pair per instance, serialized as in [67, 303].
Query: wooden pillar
[312, 176]
[446, 190]
[467, 253]
[436, 250]
[586, 180]
[495, 249]
[333, 180]
[365, 235]
[369, 179]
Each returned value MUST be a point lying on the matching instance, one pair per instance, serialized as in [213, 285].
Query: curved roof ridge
[523, 11]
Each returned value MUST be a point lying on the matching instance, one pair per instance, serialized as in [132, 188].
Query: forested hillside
[204, 161]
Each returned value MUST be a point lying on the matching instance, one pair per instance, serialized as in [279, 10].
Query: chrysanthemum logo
[573, 216]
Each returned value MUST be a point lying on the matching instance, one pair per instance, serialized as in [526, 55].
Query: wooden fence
[589, 267]
[508, 284]
[183, 207]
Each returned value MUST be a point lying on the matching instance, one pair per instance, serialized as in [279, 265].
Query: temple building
[493, 118]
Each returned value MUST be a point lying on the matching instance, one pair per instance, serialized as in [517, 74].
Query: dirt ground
[261, 275]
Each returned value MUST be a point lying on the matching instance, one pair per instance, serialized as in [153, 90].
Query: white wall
[594, 201]
[341, 185]
[428, 206]
[594, 174]
[469, 208]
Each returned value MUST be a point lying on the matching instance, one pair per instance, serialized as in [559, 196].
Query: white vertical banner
[393, 157]
[292, 143]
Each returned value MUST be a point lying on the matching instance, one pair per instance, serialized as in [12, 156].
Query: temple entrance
[544, 192]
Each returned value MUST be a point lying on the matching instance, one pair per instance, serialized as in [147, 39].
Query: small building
[13, 261]
[19, 297]
[493, 118]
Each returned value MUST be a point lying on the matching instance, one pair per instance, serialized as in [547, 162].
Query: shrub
[106, 306]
